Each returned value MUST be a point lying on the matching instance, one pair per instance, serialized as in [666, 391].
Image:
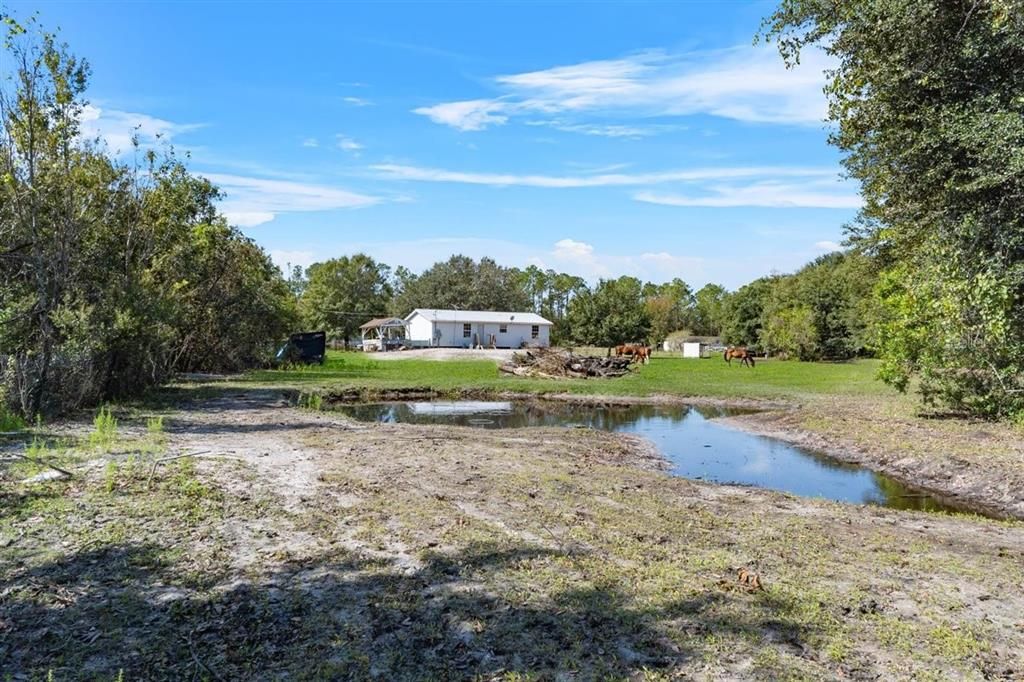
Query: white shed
[468, 328]
[692, 350]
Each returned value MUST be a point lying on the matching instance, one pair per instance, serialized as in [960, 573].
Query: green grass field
[665, 375]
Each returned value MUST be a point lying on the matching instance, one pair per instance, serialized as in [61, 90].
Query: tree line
[823, 311]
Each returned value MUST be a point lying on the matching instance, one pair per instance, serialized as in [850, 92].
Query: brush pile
[552, 363]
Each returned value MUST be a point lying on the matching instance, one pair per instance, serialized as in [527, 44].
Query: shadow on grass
[343, 616]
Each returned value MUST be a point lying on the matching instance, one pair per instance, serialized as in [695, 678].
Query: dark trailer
[304, 347]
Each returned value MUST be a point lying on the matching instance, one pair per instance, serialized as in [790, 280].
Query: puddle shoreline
[960, 502]
[706, 442]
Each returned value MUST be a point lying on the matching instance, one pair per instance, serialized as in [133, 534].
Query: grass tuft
[104, 430]
[10, 422]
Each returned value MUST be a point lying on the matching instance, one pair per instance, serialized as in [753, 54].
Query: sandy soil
[302, 545]
[498, 355]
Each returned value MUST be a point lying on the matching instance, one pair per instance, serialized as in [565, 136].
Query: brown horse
[740, 353]
[639, 353]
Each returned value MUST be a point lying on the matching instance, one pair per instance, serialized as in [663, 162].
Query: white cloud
[828, 245]
[252, 201]
[286, 259]
[248, 218]
[348, 144]
[403, 172]
[118, 128]
[608, 130]
[571, 249]
[357, 101]
[742, 83]
[474, 114]
[769, 194]
[310, 142]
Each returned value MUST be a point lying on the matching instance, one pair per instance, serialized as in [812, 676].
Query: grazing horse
[638, 352]
[740, 353]
[627, 349]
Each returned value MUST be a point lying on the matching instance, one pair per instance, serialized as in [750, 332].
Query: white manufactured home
[470, 328]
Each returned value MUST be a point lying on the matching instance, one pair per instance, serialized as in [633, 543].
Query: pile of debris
[560, 364]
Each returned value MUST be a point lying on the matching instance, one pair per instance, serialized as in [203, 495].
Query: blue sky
[650, 139]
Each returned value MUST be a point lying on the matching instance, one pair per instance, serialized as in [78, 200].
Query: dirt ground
[498, 355]
[297, 544]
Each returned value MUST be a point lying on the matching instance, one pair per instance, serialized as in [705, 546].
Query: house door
[481, 335]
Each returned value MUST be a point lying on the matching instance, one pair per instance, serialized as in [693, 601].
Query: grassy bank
[665, 375]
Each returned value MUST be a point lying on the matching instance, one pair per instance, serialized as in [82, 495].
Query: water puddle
[697, 446]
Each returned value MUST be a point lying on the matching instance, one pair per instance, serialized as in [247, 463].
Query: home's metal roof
[478, 316]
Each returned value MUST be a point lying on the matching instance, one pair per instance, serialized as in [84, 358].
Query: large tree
[928, 96]
[464, 284]
[611, 314]
[669, 306]
[709, 310]
[112, 276]
[343, 293]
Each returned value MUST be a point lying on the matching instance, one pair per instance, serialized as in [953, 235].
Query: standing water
[697, 446]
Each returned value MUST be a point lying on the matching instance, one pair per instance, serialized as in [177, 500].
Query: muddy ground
[299, 545]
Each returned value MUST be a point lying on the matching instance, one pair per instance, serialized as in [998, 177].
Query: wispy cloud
[768, 194]
[582, 258]
[347, 144]
[253, 201]
[741, 83]
[286, 260]
[422, 174]
[357, 101]
[470, 115]
[118, 128]
[310, 142]
[631, 132]
[828, 245]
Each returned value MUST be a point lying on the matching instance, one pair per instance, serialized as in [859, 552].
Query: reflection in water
[697, 447]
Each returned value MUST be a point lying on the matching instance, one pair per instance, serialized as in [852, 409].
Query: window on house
[467, 329]
[503, 329]
[535, 331]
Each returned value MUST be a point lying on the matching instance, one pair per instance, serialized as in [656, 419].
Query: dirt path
[302, 545]
[498, 355]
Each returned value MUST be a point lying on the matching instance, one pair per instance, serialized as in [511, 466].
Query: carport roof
[384, 322]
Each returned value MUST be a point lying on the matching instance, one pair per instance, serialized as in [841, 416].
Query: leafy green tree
[668, 306]
[344, 293]
[112, 277]
[461, 283]
[744, 311]
[296, 279]
[928, 96]
[709, 310]
[790, 332]
[611, 314]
